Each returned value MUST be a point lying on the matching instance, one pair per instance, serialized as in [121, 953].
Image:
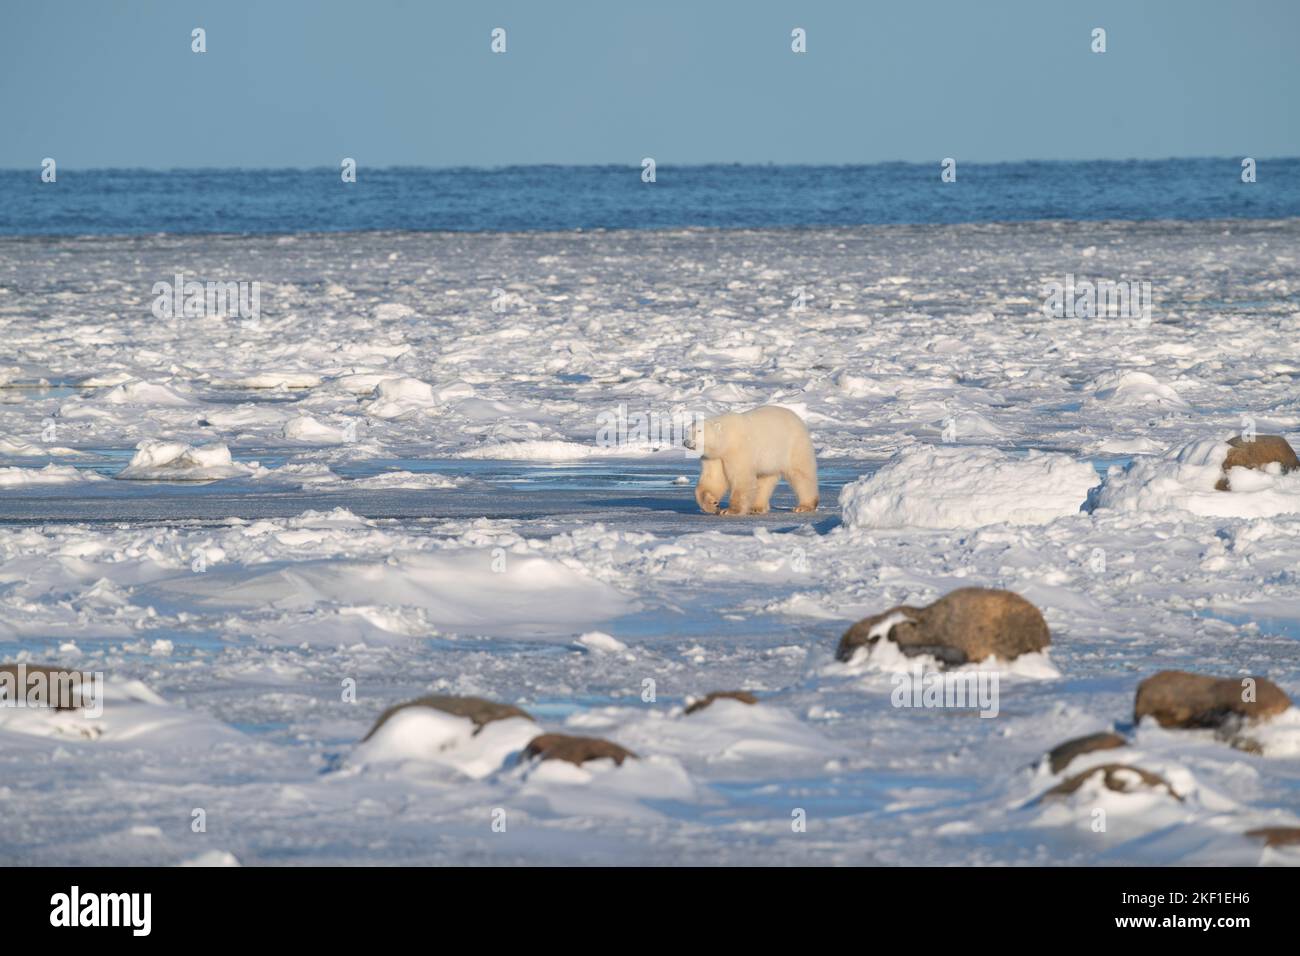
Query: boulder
[477, 709]
[1264, 450]
[966, 625]
[1062, 754]
[1118, 777]
[1276, 836]
[576, 750]
[1178, 699]
[744, 696]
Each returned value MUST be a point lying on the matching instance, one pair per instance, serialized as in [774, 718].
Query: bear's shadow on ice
[781, 518]
[648, 503]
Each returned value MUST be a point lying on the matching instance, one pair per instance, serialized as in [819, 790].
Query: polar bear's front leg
[711, 486]
[744, 486]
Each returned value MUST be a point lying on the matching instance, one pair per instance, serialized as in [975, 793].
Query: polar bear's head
[709, 437]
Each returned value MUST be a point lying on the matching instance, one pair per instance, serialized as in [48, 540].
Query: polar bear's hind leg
[804, 486]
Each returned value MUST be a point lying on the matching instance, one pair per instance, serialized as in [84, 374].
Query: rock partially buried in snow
[1277, 836]
[963, 626]
[43, 686]
[1115, 776]
[1178, 699]
[575, 750]
[1191, 477]
[1063, 754]
[462, 735]
[744, 696]
[1256, 455]
[476, 709]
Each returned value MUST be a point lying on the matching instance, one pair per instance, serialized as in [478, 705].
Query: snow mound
[1278, 736]
[543, 450]
[389, 311]
[970, 424]
[145, 393]
[425, 735]
[398, 397]
[939, 487]
[1183, 479]
[122, 712]
[212, 858]
[267, 380]
[598, 788]
[462, 589]
[405, 481]
[107, 380]
[744, 738]
[887, 657]
[598, 642]
[1125, 446]
[49, 475]
[177, 461]
[17, 448]
[305, 428]
[1135, 388]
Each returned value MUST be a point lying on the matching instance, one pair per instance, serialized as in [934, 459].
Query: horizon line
[636, 164]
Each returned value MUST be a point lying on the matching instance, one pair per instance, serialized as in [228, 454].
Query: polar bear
[749, 453]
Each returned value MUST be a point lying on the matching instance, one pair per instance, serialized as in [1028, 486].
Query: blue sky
[101, 83]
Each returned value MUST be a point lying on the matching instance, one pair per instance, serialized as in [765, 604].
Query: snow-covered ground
[385, 483]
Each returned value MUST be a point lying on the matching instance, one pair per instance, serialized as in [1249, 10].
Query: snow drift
[959, 487]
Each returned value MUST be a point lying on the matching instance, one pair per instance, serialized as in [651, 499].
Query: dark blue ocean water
[614, 197]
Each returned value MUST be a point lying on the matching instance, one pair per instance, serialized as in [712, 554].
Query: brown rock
[1119, 777]
[859, 634]
[477, 709]
[1264, 450]
[576, 750]
[1180, 699]
[969, 624]
[744, 696]
[1276, 836]
[58, 687]
[1062, 754]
